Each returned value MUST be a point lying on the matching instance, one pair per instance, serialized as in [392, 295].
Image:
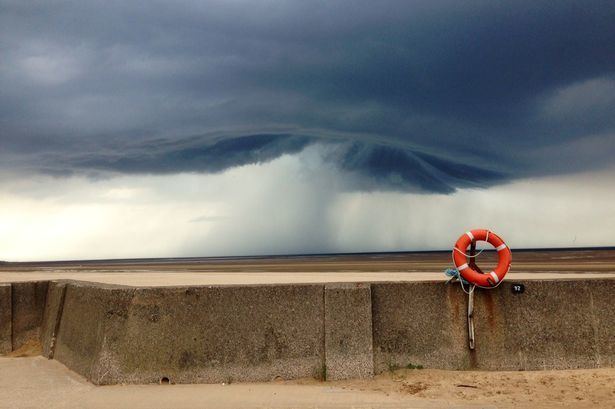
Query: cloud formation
[404, 95]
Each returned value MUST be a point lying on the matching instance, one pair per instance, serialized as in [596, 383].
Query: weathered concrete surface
[117, 334]
[52, 315]
[552, 325]
[28, 304]
[418, 324]
[348, 331]
[247, 333]
[192, 335]
[602, 305]
[6, 314]
[93, 316]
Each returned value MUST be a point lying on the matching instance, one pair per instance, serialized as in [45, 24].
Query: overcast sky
[188, 128]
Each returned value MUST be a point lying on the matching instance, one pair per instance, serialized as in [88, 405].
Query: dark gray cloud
[407, 95]
[194, 154]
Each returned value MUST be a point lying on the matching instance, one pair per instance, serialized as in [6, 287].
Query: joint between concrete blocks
[58, 320]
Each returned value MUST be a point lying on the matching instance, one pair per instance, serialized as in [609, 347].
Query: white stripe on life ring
[462, 267]
[495, 277]
[470, 235]
[501, 247]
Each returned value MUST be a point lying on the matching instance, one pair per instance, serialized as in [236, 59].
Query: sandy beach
[37, 382]
[573, 264]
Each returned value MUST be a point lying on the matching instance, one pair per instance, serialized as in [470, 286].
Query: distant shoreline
[172, 260]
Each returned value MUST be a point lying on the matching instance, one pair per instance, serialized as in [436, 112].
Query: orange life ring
[491, 279]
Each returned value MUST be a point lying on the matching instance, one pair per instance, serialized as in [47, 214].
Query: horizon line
[289, 255]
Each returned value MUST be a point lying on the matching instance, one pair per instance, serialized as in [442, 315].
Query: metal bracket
[472, 264]
[471, 319]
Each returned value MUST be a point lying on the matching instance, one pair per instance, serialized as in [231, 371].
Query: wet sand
[577, 264]
[37, 382]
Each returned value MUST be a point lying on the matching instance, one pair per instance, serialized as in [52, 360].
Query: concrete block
[28, 304]
[549, 326]
[348, 331]
[93, 315]
[418, 323]
[6, 344]
[192, 334]
[553, 325]
[52, 315]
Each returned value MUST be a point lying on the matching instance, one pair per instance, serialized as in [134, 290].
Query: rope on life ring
[460, 258]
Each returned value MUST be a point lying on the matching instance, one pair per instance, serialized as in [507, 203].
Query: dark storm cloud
[403, 169]
[198, 155]
[408, 95]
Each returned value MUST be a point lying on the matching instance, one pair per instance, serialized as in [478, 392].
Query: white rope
[472, 287]
[477, 254]
[467, 255]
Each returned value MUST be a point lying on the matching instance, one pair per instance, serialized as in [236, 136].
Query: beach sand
[310, 269]
[40, 383]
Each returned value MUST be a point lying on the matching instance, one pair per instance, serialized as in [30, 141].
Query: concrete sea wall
[118, 334]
